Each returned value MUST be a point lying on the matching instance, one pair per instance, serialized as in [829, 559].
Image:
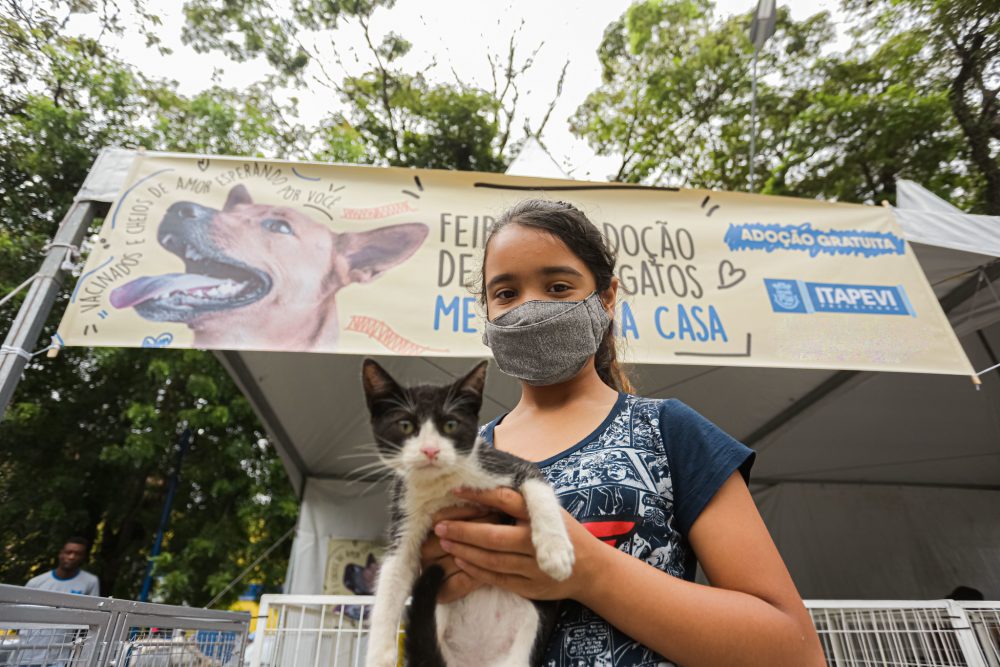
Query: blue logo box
[797, 296]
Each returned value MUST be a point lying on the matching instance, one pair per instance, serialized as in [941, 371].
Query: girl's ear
[609, 296]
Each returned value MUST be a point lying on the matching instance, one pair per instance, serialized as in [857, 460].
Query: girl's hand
[504, 556]
[457, 582]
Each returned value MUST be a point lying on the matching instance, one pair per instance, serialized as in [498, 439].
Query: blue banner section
[771, 237]
[796, 296]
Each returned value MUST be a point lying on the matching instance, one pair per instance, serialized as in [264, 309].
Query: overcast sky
[456, 34]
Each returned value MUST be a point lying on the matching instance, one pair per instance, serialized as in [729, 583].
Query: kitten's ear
[376, 381]
[475, 380]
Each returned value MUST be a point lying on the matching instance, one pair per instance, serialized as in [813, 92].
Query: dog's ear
[372, 253]
[238, 195]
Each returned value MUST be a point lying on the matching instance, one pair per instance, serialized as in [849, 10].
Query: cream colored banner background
[230, 253]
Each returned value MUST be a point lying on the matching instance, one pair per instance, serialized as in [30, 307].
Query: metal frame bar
[41, 296]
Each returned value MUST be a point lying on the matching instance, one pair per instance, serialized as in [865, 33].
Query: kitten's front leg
[553, 548]
[395, 579]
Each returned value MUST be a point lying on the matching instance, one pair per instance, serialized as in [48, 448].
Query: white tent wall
[885, 542]
[331, 509]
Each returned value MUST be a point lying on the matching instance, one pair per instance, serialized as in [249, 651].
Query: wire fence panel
[312, 630]
[985, 622]
[935, 633]
[332, 631]
[41, 628]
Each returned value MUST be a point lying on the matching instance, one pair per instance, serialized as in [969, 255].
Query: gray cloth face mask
[547, 342]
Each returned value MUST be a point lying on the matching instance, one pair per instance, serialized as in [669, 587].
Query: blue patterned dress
[638, 482]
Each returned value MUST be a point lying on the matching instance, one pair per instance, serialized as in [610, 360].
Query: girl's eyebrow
[499, 279]
[545, 271]
[549, 270]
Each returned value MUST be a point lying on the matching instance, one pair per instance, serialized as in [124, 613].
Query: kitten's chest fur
[420, 498]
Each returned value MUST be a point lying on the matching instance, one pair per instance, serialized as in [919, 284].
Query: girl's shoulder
[661, 409]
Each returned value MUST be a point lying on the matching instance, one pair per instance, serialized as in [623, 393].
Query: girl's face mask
[547, 342]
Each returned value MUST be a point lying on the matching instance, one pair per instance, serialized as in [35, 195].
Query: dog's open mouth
[209, 284]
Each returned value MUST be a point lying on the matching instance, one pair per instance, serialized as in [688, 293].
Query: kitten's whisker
[373, 484]
[377, 466]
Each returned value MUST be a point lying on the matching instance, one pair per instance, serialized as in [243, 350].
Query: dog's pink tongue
[150, 287]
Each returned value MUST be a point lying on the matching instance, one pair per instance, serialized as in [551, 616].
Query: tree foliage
[89, 441]
[675, 100]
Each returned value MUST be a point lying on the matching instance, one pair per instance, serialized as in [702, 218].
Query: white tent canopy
[873, 485]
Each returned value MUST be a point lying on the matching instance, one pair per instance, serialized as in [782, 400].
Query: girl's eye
[449, 427]
[560, 287]
[276, 226]
[504, 294]
[406, 427]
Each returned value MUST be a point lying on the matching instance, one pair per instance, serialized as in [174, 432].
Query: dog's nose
[431, 452]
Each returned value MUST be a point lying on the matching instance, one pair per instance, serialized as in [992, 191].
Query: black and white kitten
[428, 436]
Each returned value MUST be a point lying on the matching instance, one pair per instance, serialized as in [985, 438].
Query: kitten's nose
[430, 451]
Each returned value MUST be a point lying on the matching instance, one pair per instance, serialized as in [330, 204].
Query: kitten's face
[426, 429]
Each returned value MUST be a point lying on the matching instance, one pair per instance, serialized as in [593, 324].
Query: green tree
[90, 438]
[401, 118]
[961, 59]
[675, 100]
[675, 103]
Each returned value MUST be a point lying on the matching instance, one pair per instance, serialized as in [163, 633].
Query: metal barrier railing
[985, 621]
[331, 630]
[311, 630]
[46, 628]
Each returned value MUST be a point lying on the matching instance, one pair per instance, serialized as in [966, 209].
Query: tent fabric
[534, 160]
[929, 220]
[821, 436]
[359, 513]
[885, 542]
[911, 195]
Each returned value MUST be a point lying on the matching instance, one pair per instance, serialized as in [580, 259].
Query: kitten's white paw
[380, 657]
[555, 556]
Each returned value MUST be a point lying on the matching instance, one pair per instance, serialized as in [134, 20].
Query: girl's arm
[751, 615]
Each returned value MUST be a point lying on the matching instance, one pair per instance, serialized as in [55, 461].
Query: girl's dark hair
[569, 224]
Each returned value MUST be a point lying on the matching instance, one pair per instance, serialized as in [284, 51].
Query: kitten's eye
[449, 427]
[406, 426]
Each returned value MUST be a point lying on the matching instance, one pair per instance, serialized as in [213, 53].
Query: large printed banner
[232, 253]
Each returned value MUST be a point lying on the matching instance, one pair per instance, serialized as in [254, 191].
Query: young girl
[649, 486]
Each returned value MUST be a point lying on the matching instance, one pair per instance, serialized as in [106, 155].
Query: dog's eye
[406, 426]
[449, 427]
[276, 226]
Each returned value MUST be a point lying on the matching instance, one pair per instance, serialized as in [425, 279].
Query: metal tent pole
[753, 121]
[41, 295]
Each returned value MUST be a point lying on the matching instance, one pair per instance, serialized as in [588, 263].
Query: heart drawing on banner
[729, 275]
[163, 340]
[203, 164]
